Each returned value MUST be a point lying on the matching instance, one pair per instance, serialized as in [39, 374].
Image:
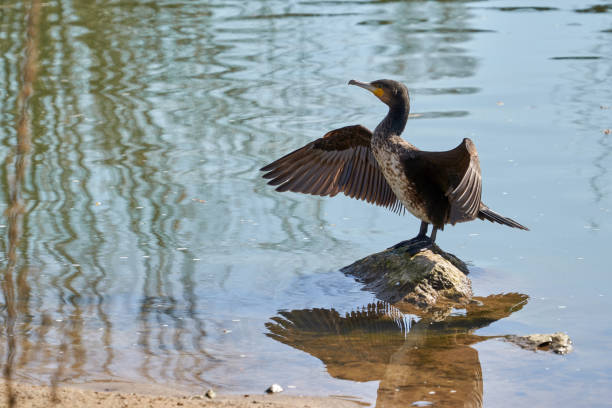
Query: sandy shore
[40, 396]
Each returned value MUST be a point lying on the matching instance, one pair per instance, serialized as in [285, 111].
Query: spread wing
[340, 161]
[465, 197]
[456, 173]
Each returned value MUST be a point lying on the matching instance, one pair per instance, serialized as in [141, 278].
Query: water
[141, 245]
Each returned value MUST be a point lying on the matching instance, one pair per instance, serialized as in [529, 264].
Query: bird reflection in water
[429, 360]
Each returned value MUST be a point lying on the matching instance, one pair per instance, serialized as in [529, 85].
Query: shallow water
[142, 246]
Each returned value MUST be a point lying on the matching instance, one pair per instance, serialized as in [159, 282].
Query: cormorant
[382, 168]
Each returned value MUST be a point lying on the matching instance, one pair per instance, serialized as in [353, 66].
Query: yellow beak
[375, 90]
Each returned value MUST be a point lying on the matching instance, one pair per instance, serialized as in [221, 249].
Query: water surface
[140, 244]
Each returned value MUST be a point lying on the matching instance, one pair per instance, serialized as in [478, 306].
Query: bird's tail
[485, 213]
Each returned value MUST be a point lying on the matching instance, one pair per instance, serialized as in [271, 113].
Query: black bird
[382, 168]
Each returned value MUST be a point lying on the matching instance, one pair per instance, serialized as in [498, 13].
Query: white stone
[274, 388]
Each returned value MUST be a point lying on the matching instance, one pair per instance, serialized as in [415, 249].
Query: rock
[420, 278]
[274, 388]
[559, 343]
[211, 393]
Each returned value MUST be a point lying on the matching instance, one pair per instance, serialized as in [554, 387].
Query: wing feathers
[369, 193]
[465, 197]
[357, 180]
[340, 161]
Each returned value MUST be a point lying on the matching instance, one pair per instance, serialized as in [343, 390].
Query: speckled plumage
[388, 153]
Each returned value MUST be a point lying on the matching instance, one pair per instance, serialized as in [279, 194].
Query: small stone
[274, 388]
[211, 394]
[559, 343]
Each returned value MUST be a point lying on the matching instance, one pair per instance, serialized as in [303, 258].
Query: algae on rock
[422, 279]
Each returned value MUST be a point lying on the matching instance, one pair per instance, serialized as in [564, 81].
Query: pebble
[211, 393]
[274, 388]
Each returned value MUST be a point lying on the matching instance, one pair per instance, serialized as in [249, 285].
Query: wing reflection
[426, 360]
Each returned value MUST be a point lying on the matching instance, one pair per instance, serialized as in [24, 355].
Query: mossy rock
[423, 278]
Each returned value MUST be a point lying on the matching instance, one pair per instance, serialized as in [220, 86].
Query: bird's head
[391, 92]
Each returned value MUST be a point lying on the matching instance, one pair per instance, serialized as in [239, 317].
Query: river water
[141, 246]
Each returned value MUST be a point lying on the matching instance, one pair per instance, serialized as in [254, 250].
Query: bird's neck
[395, 121]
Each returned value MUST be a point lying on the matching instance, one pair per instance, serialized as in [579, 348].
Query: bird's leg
[423, 230]
[434, 230]
[421, 241]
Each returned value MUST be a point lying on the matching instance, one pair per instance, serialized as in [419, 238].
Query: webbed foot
[419, 243]
[415, 245]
